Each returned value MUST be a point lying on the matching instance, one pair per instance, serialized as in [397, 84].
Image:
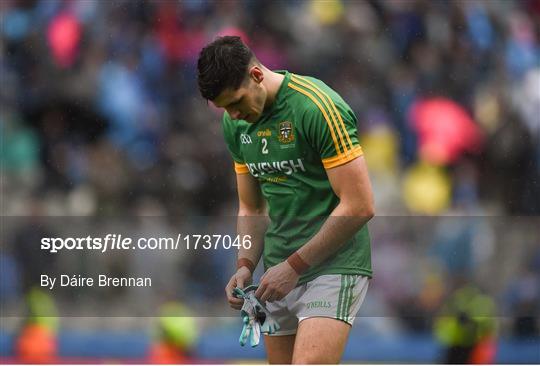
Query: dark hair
[222, 64]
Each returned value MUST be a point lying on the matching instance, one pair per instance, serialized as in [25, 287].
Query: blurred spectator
[175, 336]
[36, 342]
[466, 327]
[523, 301]
[26, 243]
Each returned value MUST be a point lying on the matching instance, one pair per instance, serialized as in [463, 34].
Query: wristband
[245, 262]
[297, 263]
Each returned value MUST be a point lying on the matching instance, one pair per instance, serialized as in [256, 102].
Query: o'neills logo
[264, 133]
[318, 304]
[286, 132]
[285, 166]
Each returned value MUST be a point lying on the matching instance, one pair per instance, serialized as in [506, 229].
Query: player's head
[230, 76]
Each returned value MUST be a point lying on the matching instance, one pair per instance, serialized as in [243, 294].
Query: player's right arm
[252, 222]
[252, 218]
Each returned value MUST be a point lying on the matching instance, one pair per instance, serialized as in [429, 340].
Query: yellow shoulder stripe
[333, 107]
[340, 159]
[240, 168]
[310, 96]
[316, 91]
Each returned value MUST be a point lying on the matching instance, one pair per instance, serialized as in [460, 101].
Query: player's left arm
[351, 184]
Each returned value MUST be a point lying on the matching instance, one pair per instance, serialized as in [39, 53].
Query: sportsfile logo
[284, 166]
[245, 139]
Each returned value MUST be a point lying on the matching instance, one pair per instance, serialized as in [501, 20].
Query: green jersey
[309, 128]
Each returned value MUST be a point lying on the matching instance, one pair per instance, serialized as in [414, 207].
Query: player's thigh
[320, 341]
[279, 349]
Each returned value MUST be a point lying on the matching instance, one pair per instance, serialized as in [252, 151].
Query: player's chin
[251, 118]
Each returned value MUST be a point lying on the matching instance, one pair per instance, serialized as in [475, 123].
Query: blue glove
[251, 327]
[251, 330]
[268, 324]
[255, 317]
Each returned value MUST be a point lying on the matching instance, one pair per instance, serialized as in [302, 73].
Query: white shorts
[330, 296]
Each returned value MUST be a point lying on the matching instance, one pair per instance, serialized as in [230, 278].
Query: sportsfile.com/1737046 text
[122, 242]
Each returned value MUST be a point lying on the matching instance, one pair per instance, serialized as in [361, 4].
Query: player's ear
[256, 74]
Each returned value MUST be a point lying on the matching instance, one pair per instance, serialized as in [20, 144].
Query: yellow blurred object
[42, 309]
[426, 189]
[327, 12]
[432, 291]
[380, 150]
[487, 111]
[177, 326]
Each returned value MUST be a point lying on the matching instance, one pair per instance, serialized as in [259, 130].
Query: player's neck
[273, 82]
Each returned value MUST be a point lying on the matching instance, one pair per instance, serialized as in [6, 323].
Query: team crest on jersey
[286, 132]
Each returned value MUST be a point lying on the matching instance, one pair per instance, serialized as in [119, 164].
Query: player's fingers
[230, 286]
[277, 295]
[234, 300]
[264, 275]
[231, 296]
[240, 283]
[266, 295]
[260, 290]
[236, 303]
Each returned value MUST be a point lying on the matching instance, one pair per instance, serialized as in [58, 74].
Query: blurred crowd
[101, 113]
[101, 116]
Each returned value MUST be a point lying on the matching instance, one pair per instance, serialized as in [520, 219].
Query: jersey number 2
[264, 147]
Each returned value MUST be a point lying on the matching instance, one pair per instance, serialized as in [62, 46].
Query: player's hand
[241, 278]
[277, 282]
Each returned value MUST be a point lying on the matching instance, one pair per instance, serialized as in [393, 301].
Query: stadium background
[101, 117]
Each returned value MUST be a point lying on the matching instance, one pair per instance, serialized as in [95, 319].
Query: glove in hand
[255, 317]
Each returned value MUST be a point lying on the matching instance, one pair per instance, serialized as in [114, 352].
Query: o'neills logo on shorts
[318, 304]
[285, 166]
